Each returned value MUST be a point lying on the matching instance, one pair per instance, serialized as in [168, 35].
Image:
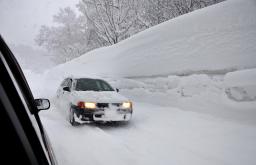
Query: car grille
[102, 105]
[106, 105]
[116, 104]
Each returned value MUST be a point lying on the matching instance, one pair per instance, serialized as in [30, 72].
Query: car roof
[85, 77]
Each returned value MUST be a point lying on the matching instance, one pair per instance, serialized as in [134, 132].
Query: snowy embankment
[216, 95]
[216, 39]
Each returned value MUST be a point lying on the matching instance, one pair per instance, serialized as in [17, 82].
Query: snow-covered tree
[154, 12]
[113, 20]
[106, 22]
[69, 39]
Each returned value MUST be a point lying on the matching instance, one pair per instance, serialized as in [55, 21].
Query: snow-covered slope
[215, 39]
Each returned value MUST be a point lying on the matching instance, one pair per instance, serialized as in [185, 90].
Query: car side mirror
[66, 89]
[42, 104]
[117, 90]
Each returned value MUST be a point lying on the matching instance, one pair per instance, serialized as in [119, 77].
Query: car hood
[98, 97]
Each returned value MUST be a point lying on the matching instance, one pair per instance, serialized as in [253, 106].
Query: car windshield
[85, 84]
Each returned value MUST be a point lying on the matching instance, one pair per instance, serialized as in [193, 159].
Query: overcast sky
[20, 20]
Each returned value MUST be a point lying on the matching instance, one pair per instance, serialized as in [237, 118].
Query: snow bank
[241, 78]
[216, 39]
[240, 88]
[43, 85]
[36, 83]
[185, 86]
[168, 90]
[199, 93]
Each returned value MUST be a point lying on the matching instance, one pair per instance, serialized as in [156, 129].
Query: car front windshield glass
[92, 85]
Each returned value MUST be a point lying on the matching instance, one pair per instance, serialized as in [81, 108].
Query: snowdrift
[216, 39]
[240, 86]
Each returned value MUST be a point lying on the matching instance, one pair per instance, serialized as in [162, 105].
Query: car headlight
[88, 105]
[127, 105]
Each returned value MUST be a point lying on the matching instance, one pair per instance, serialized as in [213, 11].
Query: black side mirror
[42, 104]
[117, 90]
[66, 89]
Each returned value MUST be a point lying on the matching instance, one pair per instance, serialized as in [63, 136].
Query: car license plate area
[111, 112]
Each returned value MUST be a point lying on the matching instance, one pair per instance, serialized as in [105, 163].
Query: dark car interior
[20, 143]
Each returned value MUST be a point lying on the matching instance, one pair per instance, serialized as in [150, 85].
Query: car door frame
[18, 105]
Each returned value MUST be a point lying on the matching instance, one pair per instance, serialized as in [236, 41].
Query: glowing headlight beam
[127, 105]
[90, 105]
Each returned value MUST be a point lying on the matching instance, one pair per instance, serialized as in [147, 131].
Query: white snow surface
[192, 83]
[156, 135]
[216, 39]
[240, 86]
[241, 78]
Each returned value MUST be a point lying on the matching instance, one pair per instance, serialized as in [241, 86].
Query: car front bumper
[112, 116]
[101, 115]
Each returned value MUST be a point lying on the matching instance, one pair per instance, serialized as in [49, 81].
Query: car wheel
[72, 118]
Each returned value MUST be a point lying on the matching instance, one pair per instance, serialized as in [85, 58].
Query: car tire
[72, 118]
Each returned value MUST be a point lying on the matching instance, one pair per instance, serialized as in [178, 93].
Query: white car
[88, 100]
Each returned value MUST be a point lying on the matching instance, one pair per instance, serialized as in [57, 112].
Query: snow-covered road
[155, 135]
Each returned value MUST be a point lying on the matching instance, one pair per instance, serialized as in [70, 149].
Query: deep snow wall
[216, 39]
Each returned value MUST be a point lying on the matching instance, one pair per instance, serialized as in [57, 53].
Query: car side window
[69, 83]
[105, 87]
[64, 83]
[73, 84]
